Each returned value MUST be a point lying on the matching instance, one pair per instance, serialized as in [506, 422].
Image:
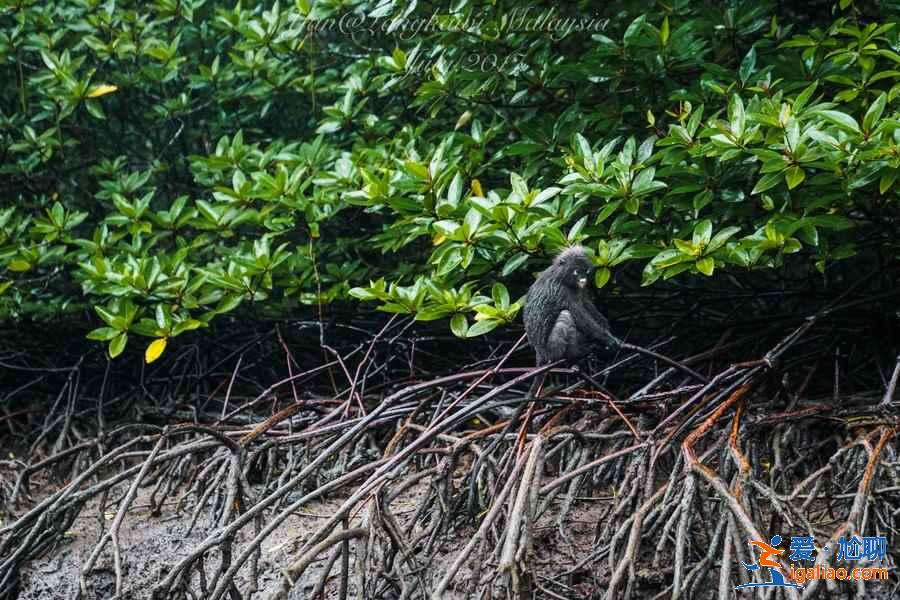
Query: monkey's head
[574, 267]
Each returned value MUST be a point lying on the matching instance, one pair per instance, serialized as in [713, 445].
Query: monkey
[562, 322]
[561, 319]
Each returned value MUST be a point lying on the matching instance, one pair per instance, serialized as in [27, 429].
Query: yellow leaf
[438, 240]
[155, 350]
[463, 119]
[101, 90]
[476, 188]
[18, 265]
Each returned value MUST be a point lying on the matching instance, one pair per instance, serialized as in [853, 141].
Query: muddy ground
[151, 543]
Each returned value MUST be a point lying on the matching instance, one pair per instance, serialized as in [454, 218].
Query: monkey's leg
[536, 384]
[612, 402]
[533, 393]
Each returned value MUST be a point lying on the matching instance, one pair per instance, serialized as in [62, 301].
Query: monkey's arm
[592, 322]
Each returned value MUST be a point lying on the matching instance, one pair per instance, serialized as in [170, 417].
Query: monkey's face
[580, 277]
[578, 273]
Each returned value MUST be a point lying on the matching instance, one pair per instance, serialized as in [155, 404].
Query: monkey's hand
[611, 342]
[604, 347]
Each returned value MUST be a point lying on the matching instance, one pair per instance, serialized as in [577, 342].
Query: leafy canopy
[165, 162]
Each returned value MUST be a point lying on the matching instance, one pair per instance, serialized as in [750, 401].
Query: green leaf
[500, 295]
[721, 237]
[107, 316]
[186, 325]
[513, 264]
[146, 327]
[737, 115]
[809, 235]
[229, 303]
[702, 199]
[362, 294]
[804, 96]
[843, 251]
[702, 232]
[706, 265]
[874, 112]
[162, 318]
[668, 258]
[49, 60]
[459, 325]
[518, 184]
[747, 65]
[632, 205]
[634, 30]
[583, 146]
[650, 274]
[676, 270]
[117, 345]
[606, 211]
[886, 181]
[477, 131]
[842, 120]
[836, 222]
[523, 147]
[446, 227]
[794, 176]
[791, 246]
[767, 181]
[601, 277]
[432, 314]
[687, 248]
[103, 334]
[454, 191]
[482, 327]
[399, 57]
[417, 169]
[95, 110]
[545, 194]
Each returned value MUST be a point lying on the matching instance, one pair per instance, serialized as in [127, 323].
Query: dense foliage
[164, 162]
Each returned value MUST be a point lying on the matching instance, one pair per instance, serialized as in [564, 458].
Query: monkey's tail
[665, 359]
